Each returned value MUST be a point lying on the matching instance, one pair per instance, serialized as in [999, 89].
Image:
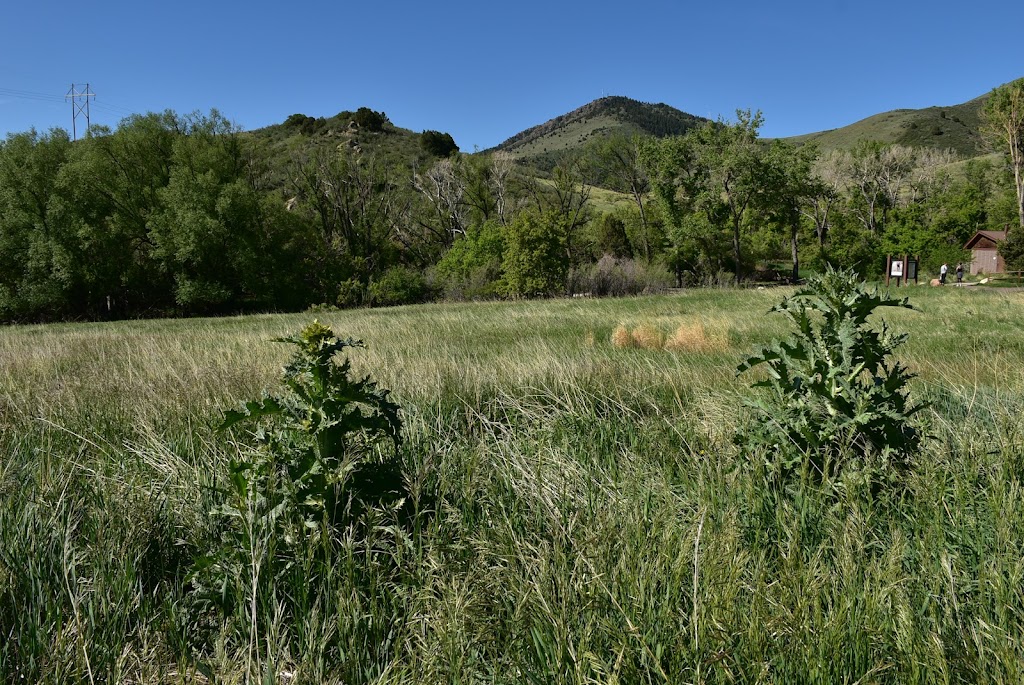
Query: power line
[49, 97]
[29, 95]
[80, 101]
[114, 109]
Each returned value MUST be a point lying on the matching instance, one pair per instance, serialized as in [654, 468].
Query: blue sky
[485, 71]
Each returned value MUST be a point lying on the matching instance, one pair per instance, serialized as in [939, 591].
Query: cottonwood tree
[215, 233]
[1004, 126]
[502, 168]
[788, 182]
[111, 192]
[674, 179]
[930, 175]
[729, 173]
[478, 194]
[694, 229]
[863, 170]
[35, 274]
[567, 199]
[895, 165]
[356, 203]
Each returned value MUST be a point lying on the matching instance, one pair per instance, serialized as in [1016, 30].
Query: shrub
[351, 293]
[618, 278]
[370, 120]
[612, 238]
[398, 285]
[534, 261]
[471, 268]
[836, 403]
[849, 247]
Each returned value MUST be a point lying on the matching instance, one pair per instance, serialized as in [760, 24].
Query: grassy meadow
[581, 514]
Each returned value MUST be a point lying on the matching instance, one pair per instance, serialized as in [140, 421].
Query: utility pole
[78, 107]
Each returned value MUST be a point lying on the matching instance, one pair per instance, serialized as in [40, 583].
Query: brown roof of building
[994, 236]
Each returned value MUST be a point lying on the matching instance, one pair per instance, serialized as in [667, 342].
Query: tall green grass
[581, 512]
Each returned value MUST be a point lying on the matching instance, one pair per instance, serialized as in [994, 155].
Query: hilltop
[301, 137]
[541, 145]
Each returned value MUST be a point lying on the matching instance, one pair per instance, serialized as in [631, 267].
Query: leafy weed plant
[837, 406]
[313, 469]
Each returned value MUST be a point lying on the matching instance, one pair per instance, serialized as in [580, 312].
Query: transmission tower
[79, 105]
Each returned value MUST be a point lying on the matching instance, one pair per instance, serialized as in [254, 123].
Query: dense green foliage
[534, 261]
[369, 119]
[438, 144]
[162, 216]
[173, 215]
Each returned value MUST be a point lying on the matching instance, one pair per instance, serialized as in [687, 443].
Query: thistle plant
[312, 467]
[323, 429]
[837, 402]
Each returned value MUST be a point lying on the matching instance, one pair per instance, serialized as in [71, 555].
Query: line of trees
[185, 215]
[729, 200]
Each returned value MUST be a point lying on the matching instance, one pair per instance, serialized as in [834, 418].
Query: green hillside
[300, 137]
[955, 127]
[542, 145]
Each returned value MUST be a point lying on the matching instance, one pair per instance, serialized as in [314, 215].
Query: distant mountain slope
[542, 144]
[955, 127]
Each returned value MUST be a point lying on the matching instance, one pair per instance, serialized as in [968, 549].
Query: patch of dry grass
[696, 336]
[689, 336]
[621, 337]
[647, 337]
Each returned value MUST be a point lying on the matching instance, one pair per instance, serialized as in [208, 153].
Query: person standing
[960, 273]
[942, 273]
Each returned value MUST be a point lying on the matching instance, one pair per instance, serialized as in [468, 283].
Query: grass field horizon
[583, 513]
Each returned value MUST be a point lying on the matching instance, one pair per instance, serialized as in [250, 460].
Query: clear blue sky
[484, 71]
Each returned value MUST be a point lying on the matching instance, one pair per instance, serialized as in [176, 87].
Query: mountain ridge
[956, 127]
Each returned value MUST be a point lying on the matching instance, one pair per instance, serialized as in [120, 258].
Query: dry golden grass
[621, 337]
[689, 336]
[695, 336]
[648, 337]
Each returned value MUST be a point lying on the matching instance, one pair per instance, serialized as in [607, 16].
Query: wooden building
[985, 258]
